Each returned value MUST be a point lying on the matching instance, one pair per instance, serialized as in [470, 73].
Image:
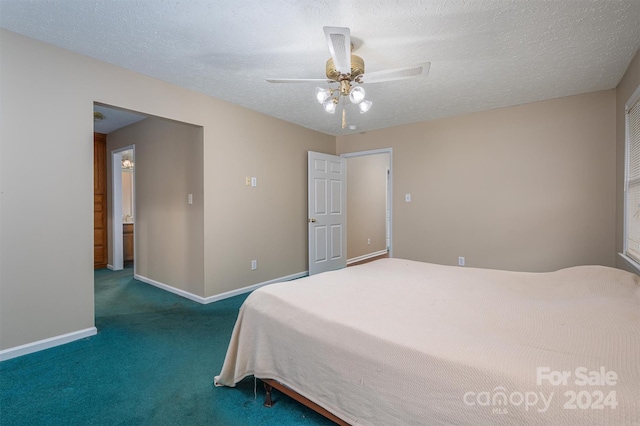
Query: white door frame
[117, 256]
[389, 186]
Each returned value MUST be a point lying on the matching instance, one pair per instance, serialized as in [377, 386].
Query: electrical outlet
[254, 181]
[247, 181]
[254, 265]
[461, 261]
[407, 198]
[190, 199]
[368, 241]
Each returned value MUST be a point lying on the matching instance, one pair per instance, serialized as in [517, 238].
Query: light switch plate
[407, 198]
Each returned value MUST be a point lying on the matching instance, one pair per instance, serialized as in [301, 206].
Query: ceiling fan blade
[339, 41]
[396, 74]
[299, 80]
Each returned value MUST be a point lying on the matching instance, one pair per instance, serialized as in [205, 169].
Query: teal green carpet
[151, 363]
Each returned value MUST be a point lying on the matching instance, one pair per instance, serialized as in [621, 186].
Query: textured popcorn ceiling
[484, 54]
[114, 119]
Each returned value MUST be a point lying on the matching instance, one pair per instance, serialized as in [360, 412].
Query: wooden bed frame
[270, 384]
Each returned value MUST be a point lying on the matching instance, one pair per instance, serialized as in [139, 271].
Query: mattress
[397, 342]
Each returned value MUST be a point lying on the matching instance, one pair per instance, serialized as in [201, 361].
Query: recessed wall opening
[154, 193]
[116, 172]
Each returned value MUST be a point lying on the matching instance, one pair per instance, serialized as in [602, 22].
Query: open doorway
[123, 206]
[108, 119]
[158, 225]
[369, 205]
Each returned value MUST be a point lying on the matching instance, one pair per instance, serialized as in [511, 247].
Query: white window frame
[635, 98]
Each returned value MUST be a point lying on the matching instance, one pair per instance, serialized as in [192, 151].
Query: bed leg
[267, 396]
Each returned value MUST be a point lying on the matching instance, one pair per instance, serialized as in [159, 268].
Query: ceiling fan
[347, 70]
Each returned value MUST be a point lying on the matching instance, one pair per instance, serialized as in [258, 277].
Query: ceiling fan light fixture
[357, 94]
[348, 71]
[322, 94]
[364, 106]
[330, 106]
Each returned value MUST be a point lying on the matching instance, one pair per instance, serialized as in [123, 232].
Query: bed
[397, 342]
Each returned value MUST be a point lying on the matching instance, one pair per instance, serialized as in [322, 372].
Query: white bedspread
[398, 342]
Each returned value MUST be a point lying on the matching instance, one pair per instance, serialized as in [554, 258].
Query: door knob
[312, 221]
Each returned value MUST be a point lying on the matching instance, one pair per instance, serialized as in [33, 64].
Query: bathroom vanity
[127, 240]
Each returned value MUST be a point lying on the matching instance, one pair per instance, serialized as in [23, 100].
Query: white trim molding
[116, 241]
[366, 256]
[169, 288]
[635, 97]
[631, 263]
[217, 297]
[46, 343]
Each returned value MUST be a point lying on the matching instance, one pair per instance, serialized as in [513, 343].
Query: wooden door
[99, 200]
[327, 212]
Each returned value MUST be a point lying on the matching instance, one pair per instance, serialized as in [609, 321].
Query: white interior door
[327, 212]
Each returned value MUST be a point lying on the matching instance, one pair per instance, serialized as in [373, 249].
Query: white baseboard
[169, 288]
[51, 342]
[217, 297]
[632, 264]
[46, 343]
[366, 256]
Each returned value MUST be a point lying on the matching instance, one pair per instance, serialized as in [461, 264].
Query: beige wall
[628, 84]
[528, 188]
[366, 204]
[46, 211]
[46, 215]
[268, 222]
[169, 233]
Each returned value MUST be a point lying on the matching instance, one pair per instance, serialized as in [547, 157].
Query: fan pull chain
[344, 118]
